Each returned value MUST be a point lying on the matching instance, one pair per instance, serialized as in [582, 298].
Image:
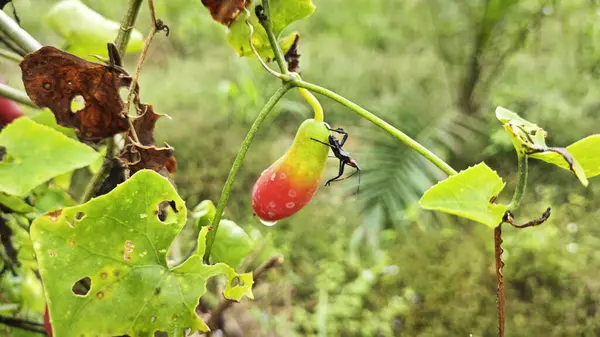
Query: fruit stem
[311, 100]
[237, 163]
[425, 152]
[314, 103]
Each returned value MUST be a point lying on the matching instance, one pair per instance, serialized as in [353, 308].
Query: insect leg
[340, 173]
[341, 132]
[326, 144]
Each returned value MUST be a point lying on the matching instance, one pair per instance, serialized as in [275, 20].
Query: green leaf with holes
[530, 139]
[586, 151]
[283, 13]
[468, 194]
[36, 153]
[85, 31]
[118, 244]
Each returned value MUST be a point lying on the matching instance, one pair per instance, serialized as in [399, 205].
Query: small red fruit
[9, 110]
[290, 183]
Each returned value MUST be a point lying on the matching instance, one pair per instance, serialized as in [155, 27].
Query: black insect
[343, 156]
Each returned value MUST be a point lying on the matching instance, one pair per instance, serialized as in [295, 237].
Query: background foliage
[376, 265]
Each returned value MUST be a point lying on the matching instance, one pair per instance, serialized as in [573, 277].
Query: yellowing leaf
[586, 151]
[530, 139]
[283, 13]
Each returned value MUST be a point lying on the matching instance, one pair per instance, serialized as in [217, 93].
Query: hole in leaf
[77, 103]
[82, 287]
[164, 211]
[157, 291]
[79, 216]
[123, 93]
[236, 281]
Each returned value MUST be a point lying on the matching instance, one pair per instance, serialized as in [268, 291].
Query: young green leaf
[118, 243]
[232, 244]
[204, 213]
[468, 194]
[530, 139]
[86, 32]
[283, 13]
[527, 137]
[586, 151]
[16, 205]
[36, 153]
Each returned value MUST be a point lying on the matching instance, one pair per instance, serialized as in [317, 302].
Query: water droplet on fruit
[290, 205]
[272, 204]
[292, 193]
[273, 176]
[268, 223]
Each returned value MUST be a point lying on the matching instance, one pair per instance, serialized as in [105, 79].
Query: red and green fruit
[291, 182]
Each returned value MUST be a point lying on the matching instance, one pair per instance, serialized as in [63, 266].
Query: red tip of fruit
[9, 110]
[275, 196]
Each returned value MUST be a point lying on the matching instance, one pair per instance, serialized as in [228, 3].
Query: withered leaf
[54, 78]
[138, 157]
[144, 124]
[292, 57]
[145, 154]
[225, 11]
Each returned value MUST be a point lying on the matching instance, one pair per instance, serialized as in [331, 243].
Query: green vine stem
[521, 182]
[9, 27]
[279, 58]
[121, 43]
[210, 239]
[127, 25]
[9, 55]
[16, 95]
[413, 144]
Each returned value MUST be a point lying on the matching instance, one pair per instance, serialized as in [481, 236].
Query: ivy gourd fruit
[291, 182]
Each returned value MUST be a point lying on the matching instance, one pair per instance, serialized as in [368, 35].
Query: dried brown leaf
[53, 78]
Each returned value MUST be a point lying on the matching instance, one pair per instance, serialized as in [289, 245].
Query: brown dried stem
[500, 300]
[157, 25]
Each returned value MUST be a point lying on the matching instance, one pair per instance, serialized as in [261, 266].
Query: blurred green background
[375, 264]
